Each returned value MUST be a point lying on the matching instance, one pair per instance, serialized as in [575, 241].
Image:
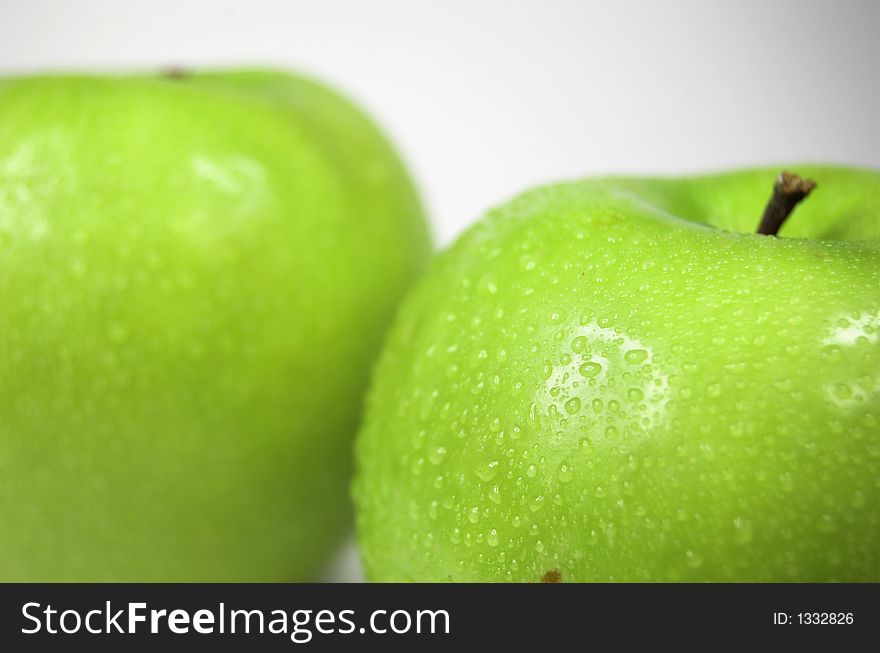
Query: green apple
[195, 275]
[614, 380]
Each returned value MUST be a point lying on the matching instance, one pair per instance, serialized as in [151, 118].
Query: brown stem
[788, 191]
[176, 72]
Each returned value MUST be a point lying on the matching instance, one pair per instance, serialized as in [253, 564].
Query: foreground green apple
[195, 275]
[614, 380]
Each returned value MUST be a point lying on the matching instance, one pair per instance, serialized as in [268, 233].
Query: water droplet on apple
[694, 561]
[827, 524]
[534, 412]
[842, 391]
[565, 473]
[858, 499]
[436, 455]
[589, 369]
[487, 285]
[786, 482]
[831, 351]
[487, 471]
[573, 405]
[635, 356]
[742, 530]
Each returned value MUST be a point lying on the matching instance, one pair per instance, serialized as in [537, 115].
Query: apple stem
[788, 191]
[175, 72]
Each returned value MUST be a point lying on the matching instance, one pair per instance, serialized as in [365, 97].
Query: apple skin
[196, 274]
[606, 381]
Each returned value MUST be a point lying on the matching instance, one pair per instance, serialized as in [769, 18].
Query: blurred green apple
[195, 275]
[613, 380]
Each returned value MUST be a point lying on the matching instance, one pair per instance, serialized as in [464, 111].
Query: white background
[486, 98]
